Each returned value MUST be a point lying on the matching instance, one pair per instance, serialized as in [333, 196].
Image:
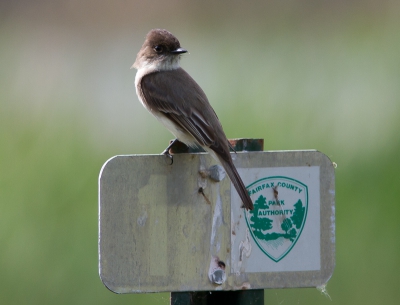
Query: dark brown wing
[177, 96]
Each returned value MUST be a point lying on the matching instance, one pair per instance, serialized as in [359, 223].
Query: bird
[171, 95]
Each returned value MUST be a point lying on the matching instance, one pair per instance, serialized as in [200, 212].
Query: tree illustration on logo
[260, 223]
[292, 234]
[298, 214]
[286, 224]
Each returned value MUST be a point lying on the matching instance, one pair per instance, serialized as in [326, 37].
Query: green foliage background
[300, 74]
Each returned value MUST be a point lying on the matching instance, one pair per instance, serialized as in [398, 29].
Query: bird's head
[161, 51]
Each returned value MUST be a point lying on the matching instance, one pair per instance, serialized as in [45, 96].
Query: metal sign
[176, 227]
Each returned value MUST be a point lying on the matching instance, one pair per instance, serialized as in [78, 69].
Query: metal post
[239, 297]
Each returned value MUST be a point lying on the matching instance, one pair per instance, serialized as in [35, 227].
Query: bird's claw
[167, 154]
[166, 151]
[170, 157]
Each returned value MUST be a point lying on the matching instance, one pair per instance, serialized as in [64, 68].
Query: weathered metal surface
[167, 228]
[237, 144]
[255, 297]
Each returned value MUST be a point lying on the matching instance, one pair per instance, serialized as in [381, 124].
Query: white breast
[178, 132]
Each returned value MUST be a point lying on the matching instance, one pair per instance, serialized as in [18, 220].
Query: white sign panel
[282, 232]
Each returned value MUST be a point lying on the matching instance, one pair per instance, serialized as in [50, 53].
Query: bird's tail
[238, 183]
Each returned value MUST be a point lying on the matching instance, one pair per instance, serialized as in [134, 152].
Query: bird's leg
[166, 151]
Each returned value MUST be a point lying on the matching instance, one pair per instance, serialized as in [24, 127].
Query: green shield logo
[279, 215]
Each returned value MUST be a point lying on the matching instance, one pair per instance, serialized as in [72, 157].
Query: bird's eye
[158, 49]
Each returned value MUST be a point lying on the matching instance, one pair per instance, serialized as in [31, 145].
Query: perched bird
[177, 101]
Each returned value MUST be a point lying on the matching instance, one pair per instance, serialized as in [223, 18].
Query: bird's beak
[179, 51]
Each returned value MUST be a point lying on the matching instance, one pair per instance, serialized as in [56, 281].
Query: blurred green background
[300, 74]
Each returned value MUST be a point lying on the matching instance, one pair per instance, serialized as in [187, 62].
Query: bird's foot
[167, 154]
